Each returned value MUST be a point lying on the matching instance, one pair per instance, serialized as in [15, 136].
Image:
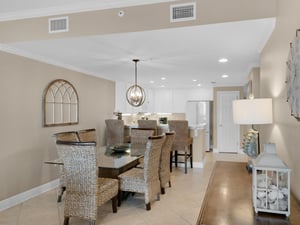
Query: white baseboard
[215, 150]
[22, 197]
[198, 164]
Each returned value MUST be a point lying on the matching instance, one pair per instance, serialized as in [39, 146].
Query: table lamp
[253, 112]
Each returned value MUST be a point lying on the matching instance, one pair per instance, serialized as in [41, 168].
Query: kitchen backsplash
[132, 119]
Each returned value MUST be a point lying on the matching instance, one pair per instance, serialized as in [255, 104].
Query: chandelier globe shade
[135, 94]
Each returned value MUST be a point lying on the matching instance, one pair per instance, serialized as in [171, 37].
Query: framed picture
[248, 90]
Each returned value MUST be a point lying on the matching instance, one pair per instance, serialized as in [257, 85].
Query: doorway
[228, 133]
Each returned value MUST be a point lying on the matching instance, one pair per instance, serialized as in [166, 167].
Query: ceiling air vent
[58, 24]
[183, 12]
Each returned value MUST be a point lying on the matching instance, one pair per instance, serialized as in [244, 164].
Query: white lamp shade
[253, 111]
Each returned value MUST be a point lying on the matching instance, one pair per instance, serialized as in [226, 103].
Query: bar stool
[183, 143]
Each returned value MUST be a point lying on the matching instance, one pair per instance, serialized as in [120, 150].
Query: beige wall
[285, 130]
[25, 143]
[138, 18]
[254, 77]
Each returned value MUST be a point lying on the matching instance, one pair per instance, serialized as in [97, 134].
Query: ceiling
[186, 56]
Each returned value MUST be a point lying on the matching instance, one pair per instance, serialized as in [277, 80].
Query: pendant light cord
[135, 61]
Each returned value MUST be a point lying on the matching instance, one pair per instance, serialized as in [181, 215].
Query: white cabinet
[162, 99]
[179, 100]
[271, 184]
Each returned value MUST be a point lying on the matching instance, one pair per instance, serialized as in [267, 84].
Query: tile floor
[179, 206]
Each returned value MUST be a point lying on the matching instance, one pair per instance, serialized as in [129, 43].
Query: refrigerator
[199, 114]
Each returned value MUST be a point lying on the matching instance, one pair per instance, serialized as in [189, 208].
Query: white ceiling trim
[82, 6]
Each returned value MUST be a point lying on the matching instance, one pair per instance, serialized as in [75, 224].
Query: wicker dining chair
[164, 166]
[183, 143]
[63, 136]
[148, 124]
[114, 131]
[66, 136]
[87, 135]
[139, 136]
[144, 180]
[85, 191]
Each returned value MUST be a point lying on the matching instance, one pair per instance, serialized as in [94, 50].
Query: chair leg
[191, 155]
[148, 206]
[66, 220]
[171, 158]
[162, 191]
[120, 197]
[59, 198]
[114, 204]
[176, 158]
[185, 162]
[92, 222]
[169, 183]
[60, 194]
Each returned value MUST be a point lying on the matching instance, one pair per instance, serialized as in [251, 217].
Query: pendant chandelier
[135, 94]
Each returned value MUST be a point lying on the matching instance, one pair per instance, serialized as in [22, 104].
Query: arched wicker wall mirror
[60, 104]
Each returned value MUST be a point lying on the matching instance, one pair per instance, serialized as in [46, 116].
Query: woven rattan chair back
[145, 180]
[81, 179]
[152, 158]
[148, 124]
[114, 131]
[140, 136]
[164, 166]
[84, 192]
[88, 135]
[181, 128]
[182, 141]
[66, 136]
[70, 136]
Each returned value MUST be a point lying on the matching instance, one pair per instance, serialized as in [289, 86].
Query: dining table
[113, 160]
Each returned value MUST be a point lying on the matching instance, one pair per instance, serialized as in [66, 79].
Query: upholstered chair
[63, 136]
[145, 180]
[183, 143]
[85, 191]
[148, 124]
[114, 131]
[164, 166]
[87, 135]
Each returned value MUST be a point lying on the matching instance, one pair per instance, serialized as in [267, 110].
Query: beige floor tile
[179, 206]
[10, 216]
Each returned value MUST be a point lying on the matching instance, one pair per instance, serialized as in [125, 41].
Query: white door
[228, 133]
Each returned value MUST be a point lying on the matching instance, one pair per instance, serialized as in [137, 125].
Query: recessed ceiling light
[223, 60]
[121, 13]
[163, 78]
[194, 80]
[225, 76]
[151, 82]
[199, 85]
[162, 86]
